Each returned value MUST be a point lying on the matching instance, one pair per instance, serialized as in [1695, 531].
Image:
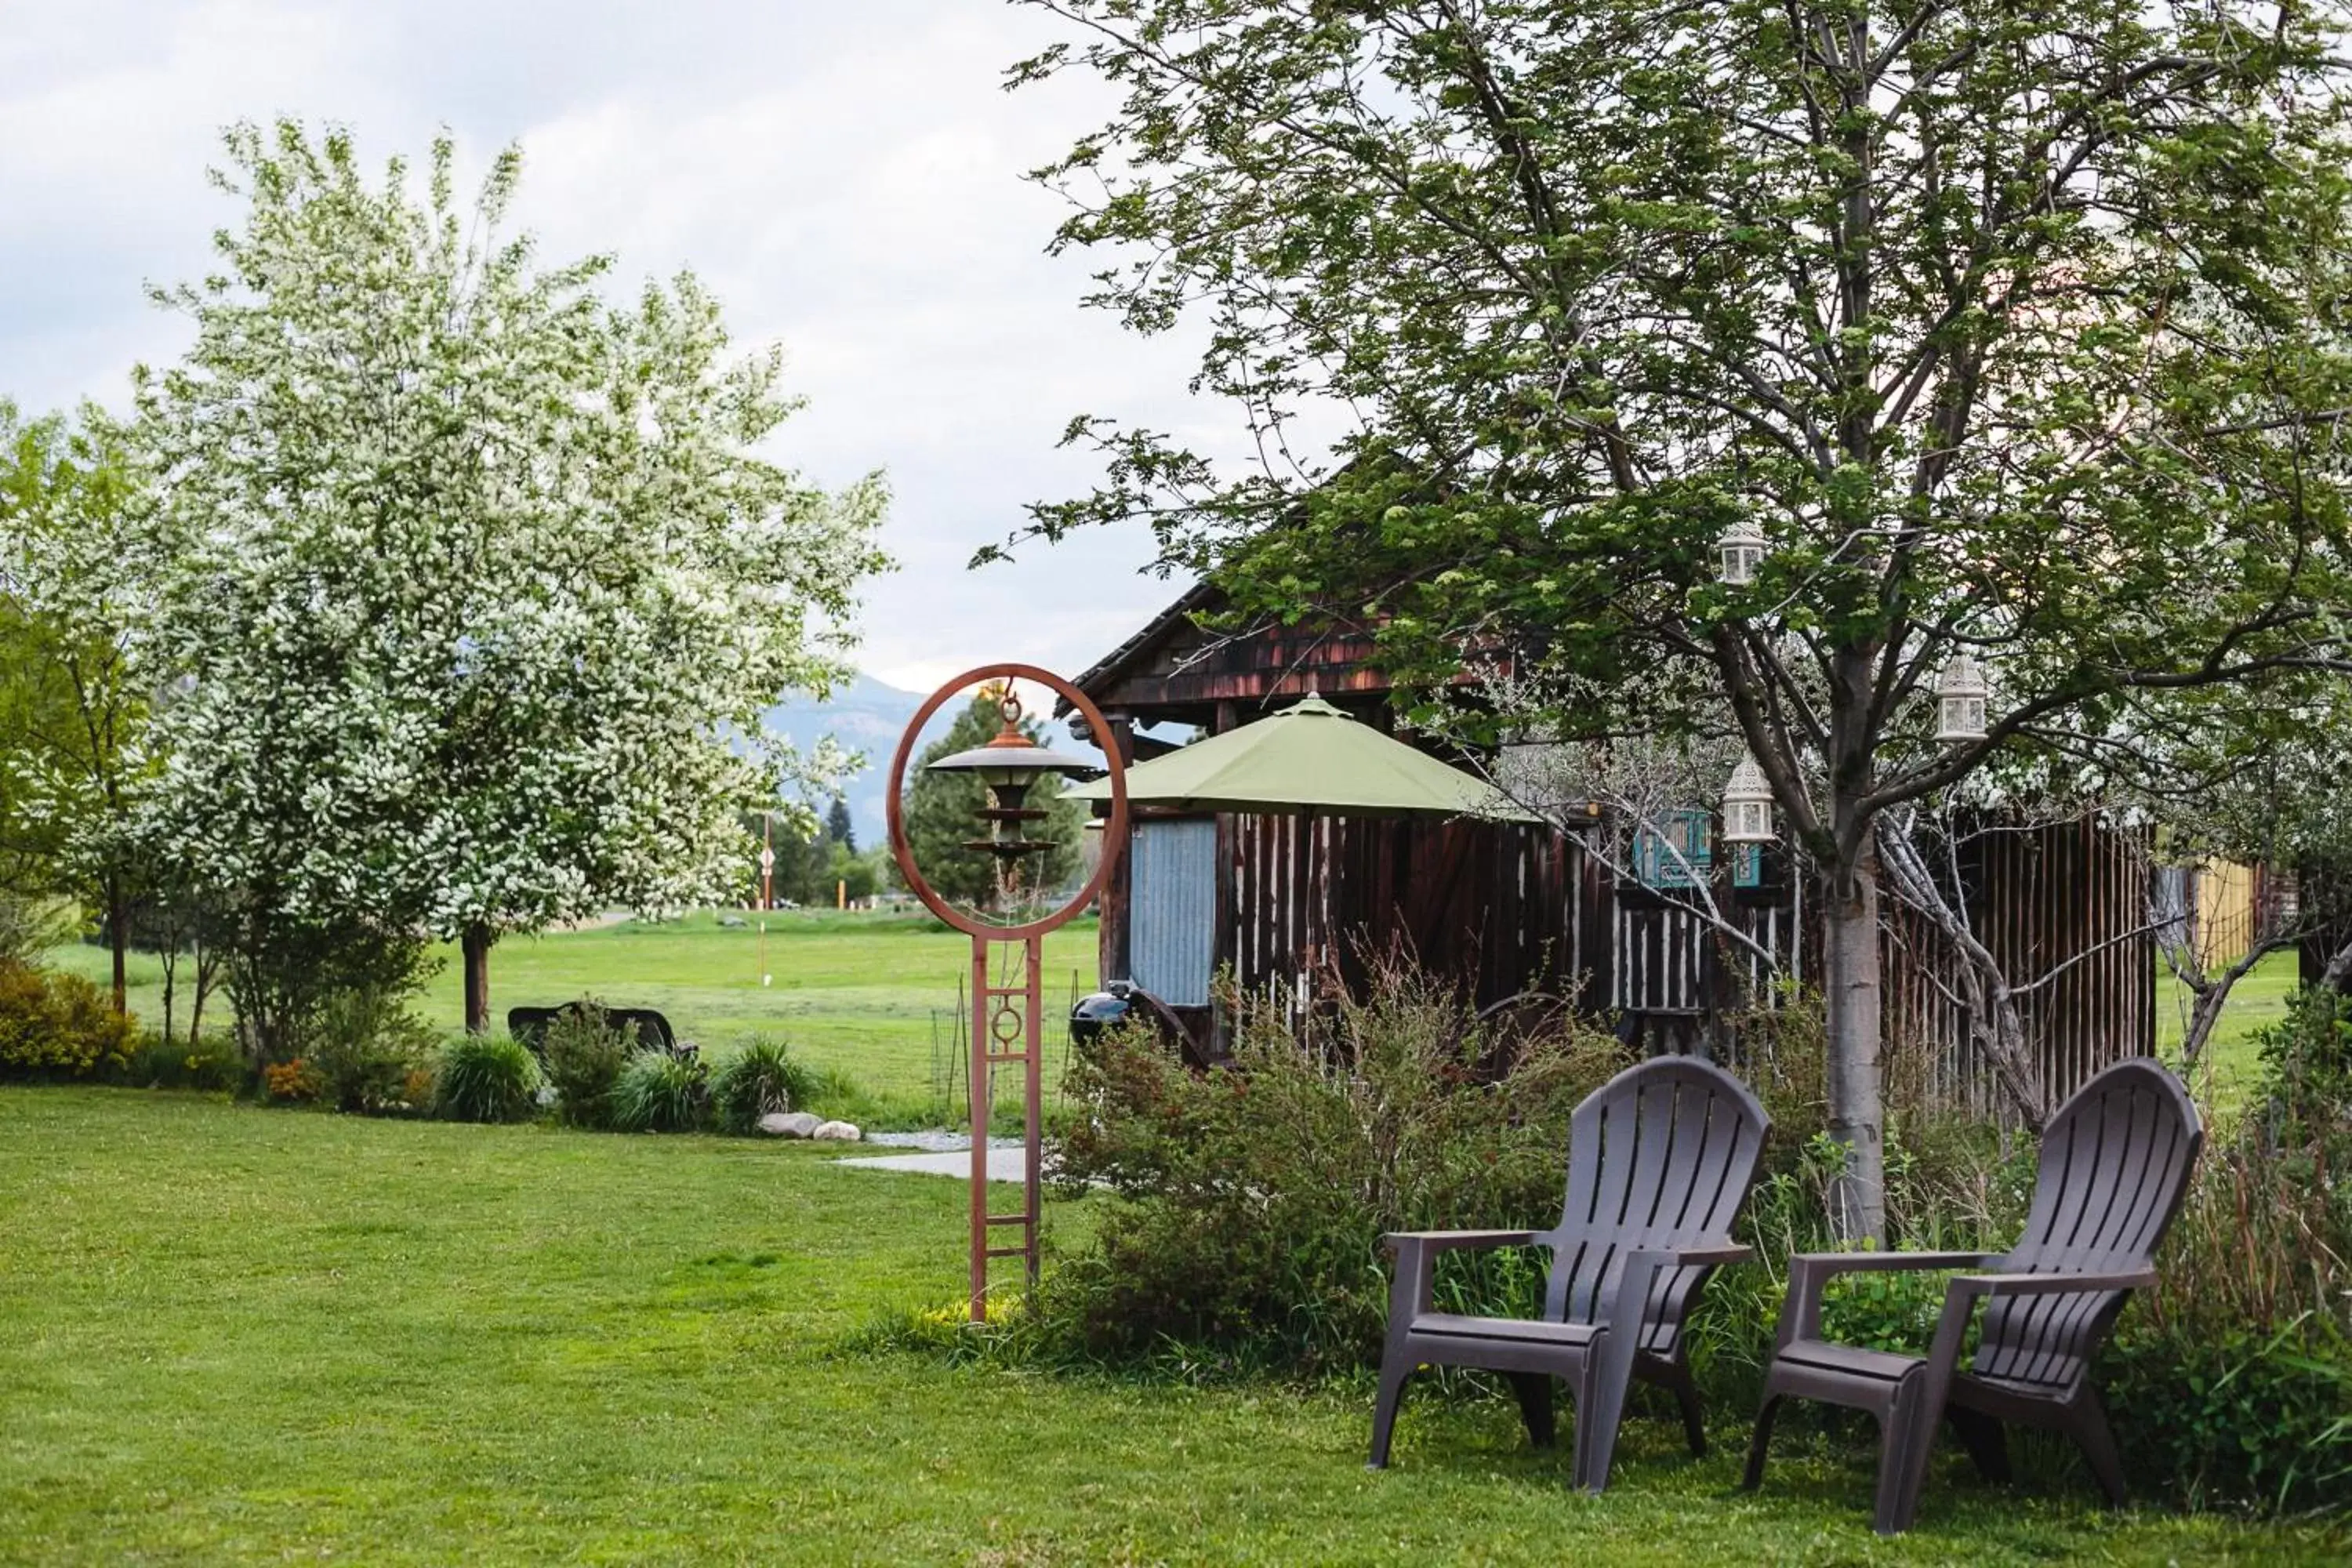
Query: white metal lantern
[1743, 553]
[1960, 696]
[1747, 805]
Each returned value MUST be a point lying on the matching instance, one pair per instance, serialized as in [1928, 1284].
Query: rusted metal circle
[1114, 830]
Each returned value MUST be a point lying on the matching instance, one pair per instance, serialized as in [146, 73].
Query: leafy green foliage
[210, 1062]
[1250, 1203]
[658, 1092]
[29, 926]
[75, 682]
[486, 1078]
[763, 1077]
[584, 1052]
[2239, 1417]
[59, 1025]
[2013, 331]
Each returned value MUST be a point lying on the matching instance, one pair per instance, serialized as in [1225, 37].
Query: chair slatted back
[1661, 1156]
[2115, 1162]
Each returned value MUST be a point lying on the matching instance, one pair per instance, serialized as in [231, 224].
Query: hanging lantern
[1743, 553]
[1747, 805]
[1960, 694]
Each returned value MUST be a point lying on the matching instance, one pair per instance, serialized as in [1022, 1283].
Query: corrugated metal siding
[1173, 909]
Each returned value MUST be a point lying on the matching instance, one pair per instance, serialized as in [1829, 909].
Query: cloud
[844, 178]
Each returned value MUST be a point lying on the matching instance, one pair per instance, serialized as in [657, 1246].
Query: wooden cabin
[1292, 905]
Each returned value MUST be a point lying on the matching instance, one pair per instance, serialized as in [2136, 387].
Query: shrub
[657, 1092]
[2237, 1370]
[758, 1081]
[295, 1082]
[59, 1025]
[210, 1062]
[1250, 1202]
[486, 1078]
[367, 1048]
[285, 977]
[585, 1054]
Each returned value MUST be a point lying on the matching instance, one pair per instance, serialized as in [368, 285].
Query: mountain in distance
[869, 716]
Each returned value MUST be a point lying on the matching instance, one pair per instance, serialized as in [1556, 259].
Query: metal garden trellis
[1007, 1021]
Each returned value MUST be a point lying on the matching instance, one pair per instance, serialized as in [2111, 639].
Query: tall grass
[486, 1078]
[658, 1092]
[760, 1079]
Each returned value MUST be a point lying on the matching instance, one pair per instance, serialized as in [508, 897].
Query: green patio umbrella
[1309, 757]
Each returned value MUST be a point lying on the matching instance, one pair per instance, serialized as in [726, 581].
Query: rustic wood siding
[1304, 905]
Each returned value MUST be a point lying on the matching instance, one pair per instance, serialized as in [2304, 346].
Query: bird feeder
[1743, 553]
[1008, 961]
[1747, 805]
[1960, 694]
[1008, 765]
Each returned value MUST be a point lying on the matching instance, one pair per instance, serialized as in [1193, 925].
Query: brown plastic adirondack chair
[1659, 1160]
[2114, 1167]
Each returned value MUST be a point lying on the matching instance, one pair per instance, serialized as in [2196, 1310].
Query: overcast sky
[844, 174]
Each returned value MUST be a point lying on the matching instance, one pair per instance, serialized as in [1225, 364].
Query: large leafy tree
[488, 580]
[2016, 330]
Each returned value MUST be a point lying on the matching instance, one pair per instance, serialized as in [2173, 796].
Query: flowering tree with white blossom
[489, 578]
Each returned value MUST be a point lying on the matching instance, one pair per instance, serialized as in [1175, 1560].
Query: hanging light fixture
[1960, 694]
[1743, 553]
[1747, 805]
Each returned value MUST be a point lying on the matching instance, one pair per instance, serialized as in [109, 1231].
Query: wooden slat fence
[1305, 903]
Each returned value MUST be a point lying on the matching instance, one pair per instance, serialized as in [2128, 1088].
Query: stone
[791, 1124]
[838, 1131]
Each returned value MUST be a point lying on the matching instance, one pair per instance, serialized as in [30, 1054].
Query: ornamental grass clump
[760, 1079]
[486, 1078]
[658, 1092]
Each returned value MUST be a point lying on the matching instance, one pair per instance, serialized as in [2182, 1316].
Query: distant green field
[865, 994]
[869, 994]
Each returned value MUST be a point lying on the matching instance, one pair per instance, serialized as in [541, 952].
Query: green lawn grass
[239, 1335]
[865, 994]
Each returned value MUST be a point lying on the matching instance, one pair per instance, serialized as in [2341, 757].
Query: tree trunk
[1850, 959]
[171, 980]
[205, 965]
[118, 935]
[475, 945]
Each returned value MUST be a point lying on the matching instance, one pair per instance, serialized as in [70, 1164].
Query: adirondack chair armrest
[1691, 1257]
[2048, 1284]
[1398, 1241]
[1963, 1291]
[1416, 1254]
[1811, 1272]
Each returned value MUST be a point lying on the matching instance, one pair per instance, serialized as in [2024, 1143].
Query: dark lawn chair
[530, 1025]
[2114, 1165]
[1659, 1160]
